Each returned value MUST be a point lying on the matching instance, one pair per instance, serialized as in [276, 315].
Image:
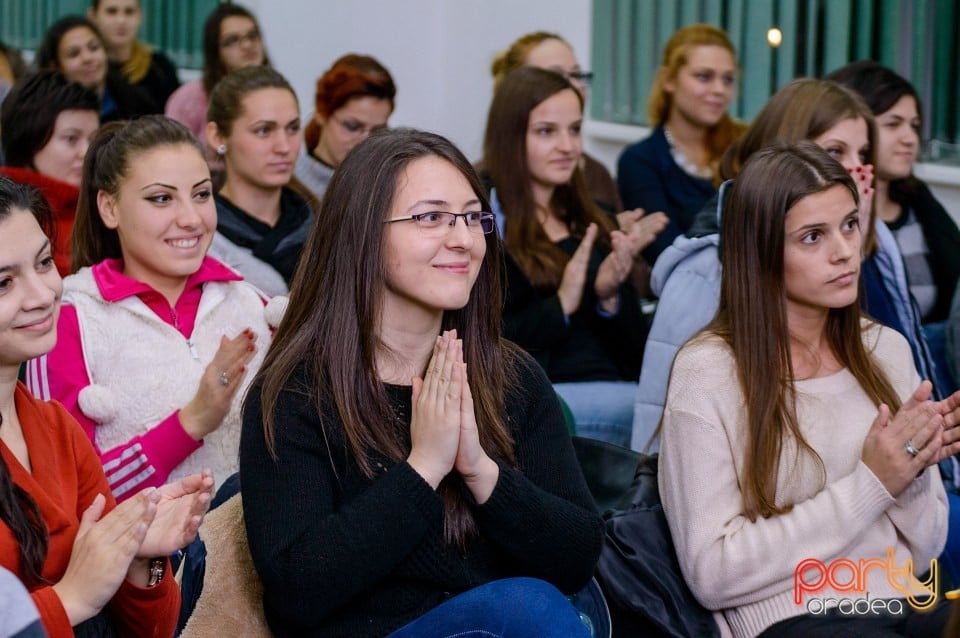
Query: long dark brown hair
[752, 314]
[344, 259]
[18, 510]
[505, 161]
[105, 166]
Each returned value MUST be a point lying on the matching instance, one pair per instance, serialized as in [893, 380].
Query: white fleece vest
[142, 369]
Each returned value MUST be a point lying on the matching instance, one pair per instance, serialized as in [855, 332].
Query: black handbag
[638, 569]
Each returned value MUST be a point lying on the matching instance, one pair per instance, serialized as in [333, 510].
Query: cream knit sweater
[744, 568]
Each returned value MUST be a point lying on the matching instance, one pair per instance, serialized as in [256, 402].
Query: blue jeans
[603, 410]
[508, 608]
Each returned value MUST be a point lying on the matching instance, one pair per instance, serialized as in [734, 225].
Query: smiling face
[264, 140]
[428, 274]
[165, 216]
[30, 290]
[82, 58]
[554, 144]
[703, 87]
[62, 156]
[898, 139]
[118, 21]
[821, 254]
[349, 125]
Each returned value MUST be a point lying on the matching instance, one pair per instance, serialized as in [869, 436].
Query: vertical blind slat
[174, 26]
[916, 39]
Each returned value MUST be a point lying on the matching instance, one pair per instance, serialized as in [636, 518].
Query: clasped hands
[922, 433]
[637, 231]
[443, 428]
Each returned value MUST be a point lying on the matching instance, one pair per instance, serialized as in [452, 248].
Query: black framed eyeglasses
[236, 39]
[436, 223]
[583, 77]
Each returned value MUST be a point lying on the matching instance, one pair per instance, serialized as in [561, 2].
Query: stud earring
[222, 150]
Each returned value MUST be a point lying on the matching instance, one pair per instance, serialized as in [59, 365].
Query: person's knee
[537, 605]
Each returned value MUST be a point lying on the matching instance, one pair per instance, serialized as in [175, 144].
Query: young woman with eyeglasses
[143, 67]
[92, 567]
[800, 447]
[568, 301]
[263, 215]
[417, 458]
[231, 40]
[675, 169]
[354, 98]
[157, 341]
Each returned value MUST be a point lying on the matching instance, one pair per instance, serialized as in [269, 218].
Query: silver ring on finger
[224, 379]
[911, 448]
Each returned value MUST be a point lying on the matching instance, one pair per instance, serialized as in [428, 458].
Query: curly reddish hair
[351, 76]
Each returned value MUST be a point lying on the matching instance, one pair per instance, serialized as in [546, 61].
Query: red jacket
[65, 479]
[62, 198]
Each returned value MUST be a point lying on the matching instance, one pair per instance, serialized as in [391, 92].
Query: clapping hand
[863, 179]
[949, 409]
[180, 510]
[570, 291]
[897, 449]
[641, 229]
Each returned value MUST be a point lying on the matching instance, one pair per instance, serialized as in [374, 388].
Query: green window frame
[916, 38]
[172, 26]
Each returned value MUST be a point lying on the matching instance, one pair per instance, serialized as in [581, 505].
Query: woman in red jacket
[85, 560]
[47, 123]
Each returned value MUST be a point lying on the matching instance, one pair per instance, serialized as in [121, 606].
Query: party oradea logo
[846, 576]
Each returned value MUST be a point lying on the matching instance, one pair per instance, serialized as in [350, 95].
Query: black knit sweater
[359, 557]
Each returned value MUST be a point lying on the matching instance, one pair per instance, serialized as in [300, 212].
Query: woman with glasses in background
[568, 298]
[675, 169]
[231, 40]
[354, 98]
[394, 437]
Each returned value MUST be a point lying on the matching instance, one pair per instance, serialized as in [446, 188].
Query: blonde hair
[676, 54]
[135, 69]
[516, 56]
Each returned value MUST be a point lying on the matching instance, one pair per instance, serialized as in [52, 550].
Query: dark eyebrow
[440, 202]
[43, 248]
[173, 188]
[819, 225]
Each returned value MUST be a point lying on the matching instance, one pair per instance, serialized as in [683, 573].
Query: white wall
[438, 51]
